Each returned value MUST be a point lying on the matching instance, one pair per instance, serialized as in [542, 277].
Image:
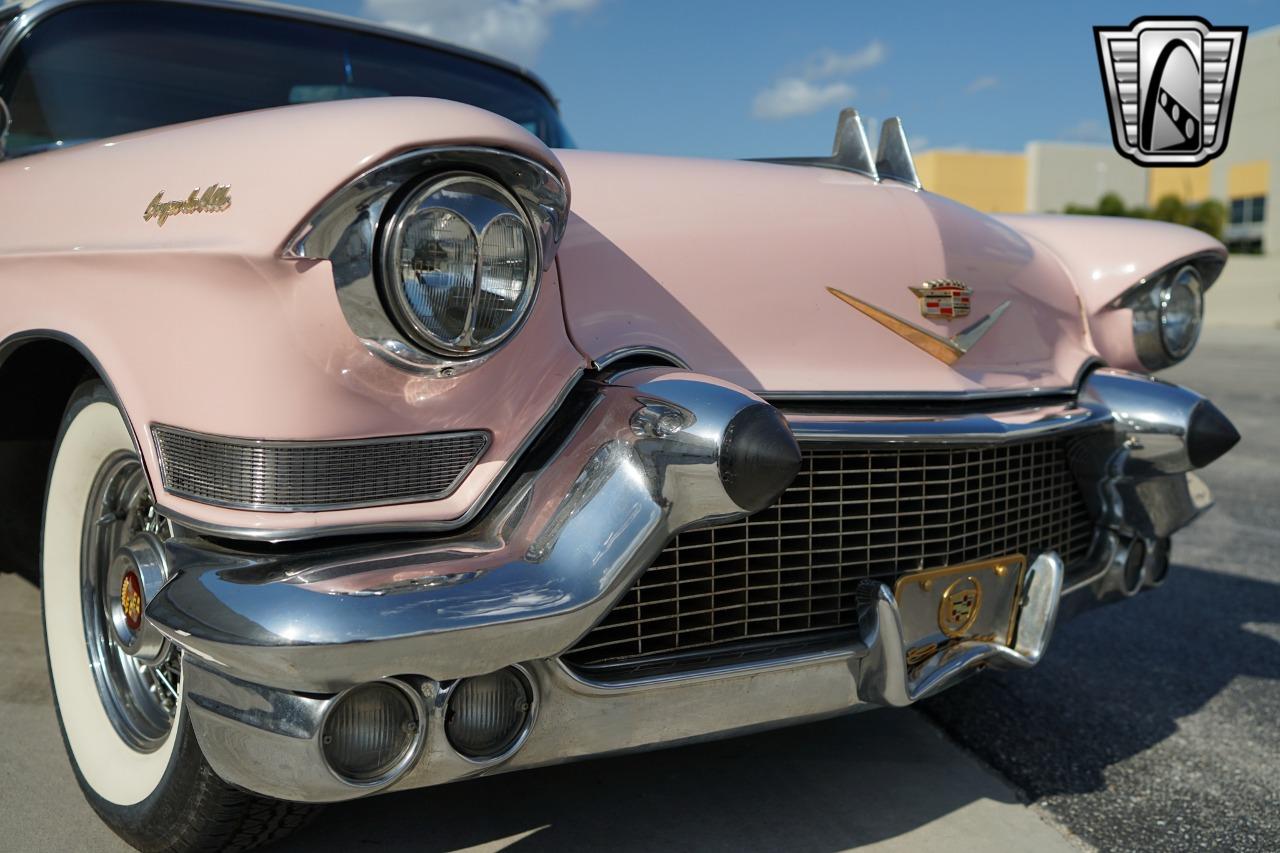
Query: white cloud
[512, 29]
[1086, 130]
[828, 63]
[981, 83]
[917, 143]
[803, 93]
[792, 96]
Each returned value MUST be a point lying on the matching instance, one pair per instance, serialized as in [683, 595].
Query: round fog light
[487, 715]
[369, 732]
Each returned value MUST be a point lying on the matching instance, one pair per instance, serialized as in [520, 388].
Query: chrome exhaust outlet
[1156, 571]
[1125, 573]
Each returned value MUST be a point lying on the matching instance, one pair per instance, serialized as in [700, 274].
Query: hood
[727, 265]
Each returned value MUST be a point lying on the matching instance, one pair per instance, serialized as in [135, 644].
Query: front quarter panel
[1106, 256]
[200, 323]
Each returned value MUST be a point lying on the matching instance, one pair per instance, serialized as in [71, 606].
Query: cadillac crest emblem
[959, 607]
[943, 299]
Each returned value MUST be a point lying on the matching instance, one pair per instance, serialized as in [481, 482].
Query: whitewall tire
[132, 749]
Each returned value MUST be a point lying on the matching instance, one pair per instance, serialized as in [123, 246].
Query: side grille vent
[284, 476]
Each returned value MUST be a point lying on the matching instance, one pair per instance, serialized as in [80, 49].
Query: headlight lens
[459, 265]
[1181, 312]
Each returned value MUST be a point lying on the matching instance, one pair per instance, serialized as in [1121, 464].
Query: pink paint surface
[727, 265]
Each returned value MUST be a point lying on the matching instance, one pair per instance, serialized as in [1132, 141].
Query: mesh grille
[280, 476]
[851, 514]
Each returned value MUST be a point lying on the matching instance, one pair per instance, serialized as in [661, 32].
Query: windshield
[107, 69]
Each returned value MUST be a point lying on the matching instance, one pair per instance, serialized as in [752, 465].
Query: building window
[1246, 211]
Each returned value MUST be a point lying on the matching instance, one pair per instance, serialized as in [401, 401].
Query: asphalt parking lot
[1150, 725]
[1153, 725]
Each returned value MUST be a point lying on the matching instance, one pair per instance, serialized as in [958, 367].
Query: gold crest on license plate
[975, 601]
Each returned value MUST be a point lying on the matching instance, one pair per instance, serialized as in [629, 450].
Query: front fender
[1106, 256]
[200, 323]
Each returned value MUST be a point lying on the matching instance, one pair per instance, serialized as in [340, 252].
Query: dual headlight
[1167, 315]
[459, 265]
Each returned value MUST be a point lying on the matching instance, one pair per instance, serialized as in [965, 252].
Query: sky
[713, 78]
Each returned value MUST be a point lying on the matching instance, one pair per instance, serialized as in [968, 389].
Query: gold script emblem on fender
[215, 199]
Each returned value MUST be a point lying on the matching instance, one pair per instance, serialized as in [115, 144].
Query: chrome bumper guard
[271, 638]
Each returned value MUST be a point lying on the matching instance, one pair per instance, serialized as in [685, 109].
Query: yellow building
[991, 181]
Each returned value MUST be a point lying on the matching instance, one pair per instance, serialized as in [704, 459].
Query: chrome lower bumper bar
[269, 740]
[269, 638]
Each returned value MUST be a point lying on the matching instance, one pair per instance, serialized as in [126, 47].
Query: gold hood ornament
[946, 350]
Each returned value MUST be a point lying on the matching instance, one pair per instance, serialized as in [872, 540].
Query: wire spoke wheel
[141, 699]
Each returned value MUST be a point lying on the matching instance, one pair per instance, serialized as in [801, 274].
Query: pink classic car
[377, 440]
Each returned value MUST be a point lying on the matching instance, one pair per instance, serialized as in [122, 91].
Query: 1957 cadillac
[365, 455]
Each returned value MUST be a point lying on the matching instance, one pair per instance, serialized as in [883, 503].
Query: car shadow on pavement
[825, 786]
[1117, 681]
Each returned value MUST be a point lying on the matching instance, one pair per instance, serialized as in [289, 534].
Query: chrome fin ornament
[946, 350]
[893, 157]
[850, 149]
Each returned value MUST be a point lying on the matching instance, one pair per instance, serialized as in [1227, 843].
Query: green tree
[1171, 209]
[1111, 205]
[1209, 216]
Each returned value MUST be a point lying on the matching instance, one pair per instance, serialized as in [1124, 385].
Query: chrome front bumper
[271, 638]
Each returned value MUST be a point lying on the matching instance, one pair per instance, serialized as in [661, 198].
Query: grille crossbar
[852, 513]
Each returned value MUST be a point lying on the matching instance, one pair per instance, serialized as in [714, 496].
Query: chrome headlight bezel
[346, 227]
[1150, 301]
[1189, 279]
[471, 210]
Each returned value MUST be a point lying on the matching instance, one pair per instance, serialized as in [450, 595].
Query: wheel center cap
[131, 600]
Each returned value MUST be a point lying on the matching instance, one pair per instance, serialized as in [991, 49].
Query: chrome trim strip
[614, 356]
[850, 651]
[975, 429]
[297, 534]
[267, 468]
[853, 397]
[1012, 395]
[28, 18]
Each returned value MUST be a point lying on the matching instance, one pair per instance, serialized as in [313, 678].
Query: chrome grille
[321, 475]
[851, 514]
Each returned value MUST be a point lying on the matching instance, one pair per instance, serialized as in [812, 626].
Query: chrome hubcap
[138, 681]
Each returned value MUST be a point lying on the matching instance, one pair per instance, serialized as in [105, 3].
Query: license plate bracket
[974, 601]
